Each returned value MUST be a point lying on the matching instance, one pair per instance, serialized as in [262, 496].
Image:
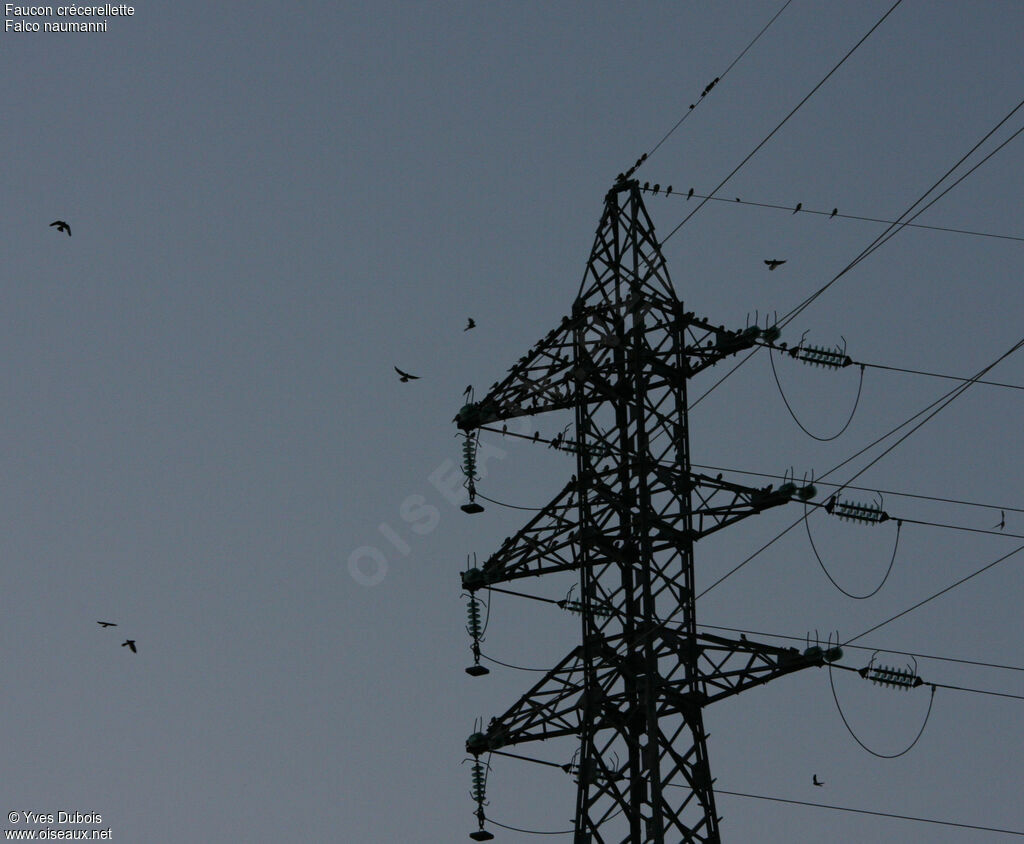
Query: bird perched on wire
[799, 205]
[689, 193]
[405, 376]
[61, 226]
[129, 643]
[106, 624]
[470, 323]
[834, 212]
[773, 263]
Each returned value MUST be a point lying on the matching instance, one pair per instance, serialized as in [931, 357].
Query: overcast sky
[272, 205]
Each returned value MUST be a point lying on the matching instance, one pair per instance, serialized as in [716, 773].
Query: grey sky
[273, 205]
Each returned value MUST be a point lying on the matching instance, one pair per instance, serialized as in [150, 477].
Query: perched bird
[799, 205]
[738, 199]
[468, 390]
[470, 323]
[62, 226]
[655, 189]
[816, 781]
[668, 190]
[834, 212]
[405, 376]
[773, 263]
[106, 624]
[647, 185]
[689, 194]
[1002, 521]
[130, 643]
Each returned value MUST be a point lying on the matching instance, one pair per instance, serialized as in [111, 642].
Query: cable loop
[785, 401]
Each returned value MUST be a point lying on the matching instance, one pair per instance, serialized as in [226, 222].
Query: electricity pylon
[633, 691]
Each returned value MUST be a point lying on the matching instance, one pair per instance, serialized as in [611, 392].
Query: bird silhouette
[799, 205]
[62, 226]
[668, 190]
[129, 643]
[816, 781]
[1002, 521]
[834, 212]
[106, 624]
[655, 189]
[773, 263]
[405, 376]
[468, 390]
[738, 199]
[689, 194]
[470, 323]
[647, 185]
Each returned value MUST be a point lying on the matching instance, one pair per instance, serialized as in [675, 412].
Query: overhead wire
[868, 489]
[779, 347]
[881, 239]
[784, 120]
[977, 663]
[720, 77]
[870, 812]
[941, 592]
[931, 410]
[839, 216]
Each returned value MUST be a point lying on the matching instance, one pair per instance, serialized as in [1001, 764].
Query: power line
[881, 239]
[937, 594]
[869, 812]
[868, 648]
[868, 489]
[796, 108]
[932, 410]
[837, 215]
[722, 76]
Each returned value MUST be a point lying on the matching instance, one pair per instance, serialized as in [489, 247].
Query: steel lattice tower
[633, 691]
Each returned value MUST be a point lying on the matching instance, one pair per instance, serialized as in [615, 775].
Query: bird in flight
[816, 781]
[773, 263]
[799, 205]
[106, 624]
[405, 376]
[129, 643]
[470, 323]
[62, 226]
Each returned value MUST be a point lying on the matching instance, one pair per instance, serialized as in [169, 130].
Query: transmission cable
[869, 812]
[952, 586]
[769, 136]
[867, 489]
[881, 239]
[837, 215]
[867, 648]
[718, 79]
[939, 404]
